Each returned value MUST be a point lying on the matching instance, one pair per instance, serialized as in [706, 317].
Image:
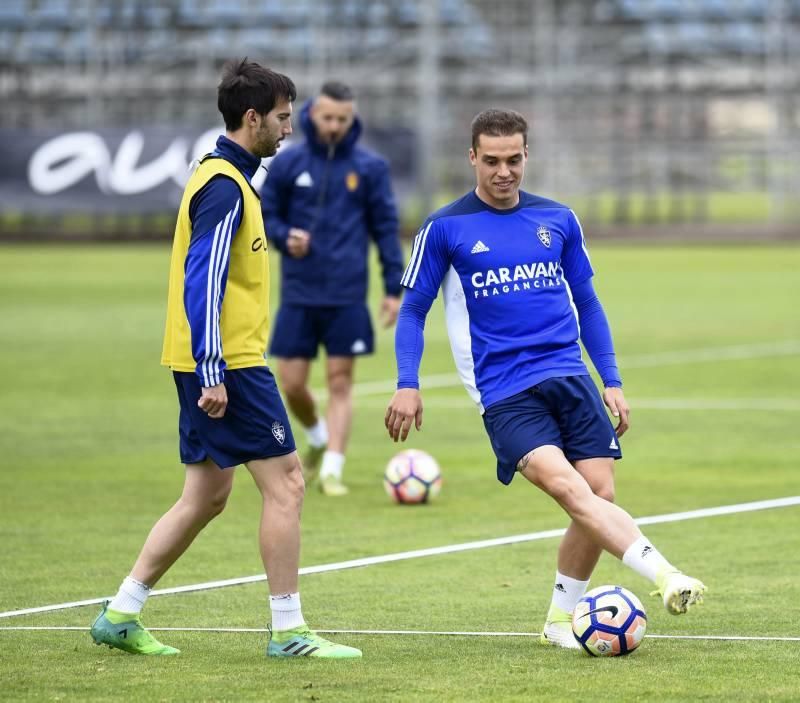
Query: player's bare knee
[292, 387]
[298, 484]
[340, 385]
[568, 490]
[605, 491]
[217, 504]
[599, 474]
[602, 485]
[203, 509]
[294, 485]
[559, 488]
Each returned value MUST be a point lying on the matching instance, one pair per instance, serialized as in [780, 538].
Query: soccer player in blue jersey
[517, 285]
[230, 409]
[325, 200]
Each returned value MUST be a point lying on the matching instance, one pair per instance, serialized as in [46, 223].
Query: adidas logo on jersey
[304, 180]
[479, 248]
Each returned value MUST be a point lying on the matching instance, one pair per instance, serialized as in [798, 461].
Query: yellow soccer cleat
[333, 486]
[680, 592]
[557, 630]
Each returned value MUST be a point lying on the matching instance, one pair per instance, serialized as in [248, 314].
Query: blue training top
[507, 278]
[343, 197]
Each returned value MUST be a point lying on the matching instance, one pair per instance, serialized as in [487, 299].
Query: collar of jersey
[496, 211]
[229, 150]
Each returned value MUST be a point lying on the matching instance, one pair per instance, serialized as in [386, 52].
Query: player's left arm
[594, 328]
[383, 224]
[596, 338]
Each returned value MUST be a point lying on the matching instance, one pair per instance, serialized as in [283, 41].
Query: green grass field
[709, 343]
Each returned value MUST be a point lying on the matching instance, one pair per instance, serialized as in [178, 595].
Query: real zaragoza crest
[544, 235]
[278, 432]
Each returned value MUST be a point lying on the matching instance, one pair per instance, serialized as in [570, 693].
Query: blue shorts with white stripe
[566, 412]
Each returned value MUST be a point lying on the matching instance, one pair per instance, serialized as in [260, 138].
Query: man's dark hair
[246, 84]
[498, 123]
[336, 90]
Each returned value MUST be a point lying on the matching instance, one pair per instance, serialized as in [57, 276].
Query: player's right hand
[405, 408]
[298, 242]
[213, 401]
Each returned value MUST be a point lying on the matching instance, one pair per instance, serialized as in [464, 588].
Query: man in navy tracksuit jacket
[323, 201]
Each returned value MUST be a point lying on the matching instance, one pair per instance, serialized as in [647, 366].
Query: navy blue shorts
[345, 330]
[255, 424]
[567, 412]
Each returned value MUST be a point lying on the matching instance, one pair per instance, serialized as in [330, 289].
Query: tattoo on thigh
[523, 463]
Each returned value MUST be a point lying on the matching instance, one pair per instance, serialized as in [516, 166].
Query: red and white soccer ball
[412, 476]
[609, 621]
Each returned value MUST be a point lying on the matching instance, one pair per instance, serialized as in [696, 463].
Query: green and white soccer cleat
[557, 630]
[312, 459]
[679, 592]
[303, 642]
[333, 486]
[125, 631]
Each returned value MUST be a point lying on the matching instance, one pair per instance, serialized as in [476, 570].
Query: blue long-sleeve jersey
[216, 213]
[595, 335]
[343, 197]
[518, 297]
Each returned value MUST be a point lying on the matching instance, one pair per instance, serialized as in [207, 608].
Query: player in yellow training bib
[230, 410]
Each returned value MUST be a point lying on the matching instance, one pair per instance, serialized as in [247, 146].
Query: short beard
[266, 151]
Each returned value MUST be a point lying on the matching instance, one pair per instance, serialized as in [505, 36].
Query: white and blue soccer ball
[412, 476]
[609, 621]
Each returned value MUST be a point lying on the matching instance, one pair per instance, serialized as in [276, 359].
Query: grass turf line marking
[738, 352]
[432, 551]
[437, 633]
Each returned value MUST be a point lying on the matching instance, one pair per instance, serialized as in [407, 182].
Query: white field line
[463, 401]
[435, 633]
[432, 551]
[739, 352]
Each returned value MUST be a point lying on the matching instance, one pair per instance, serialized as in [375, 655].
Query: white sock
[332, 465]
[317, 435]
[646, 560]
[567, 591]
[131, 596]
[286, 612]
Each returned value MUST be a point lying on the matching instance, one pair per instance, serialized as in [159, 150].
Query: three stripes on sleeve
[206, 271]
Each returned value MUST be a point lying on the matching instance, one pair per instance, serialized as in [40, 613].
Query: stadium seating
[58, 14]
[566, 61]
[42, 31]
[40, 46]
[13, 14]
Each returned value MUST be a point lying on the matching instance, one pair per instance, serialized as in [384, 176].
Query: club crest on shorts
[544, 235]
[278, 432]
